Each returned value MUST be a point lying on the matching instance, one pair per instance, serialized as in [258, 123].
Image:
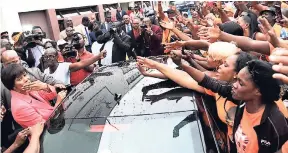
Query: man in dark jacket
[122, 42]
[152, 38]
[137, 40]
[95, 31]
[120, 13]
[107, 24]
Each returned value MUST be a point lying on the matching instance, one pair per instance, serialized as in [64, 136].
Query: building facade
[14, 19]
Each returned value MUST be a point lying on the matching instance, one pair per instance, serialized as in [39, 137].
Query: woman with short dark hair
[29, 107]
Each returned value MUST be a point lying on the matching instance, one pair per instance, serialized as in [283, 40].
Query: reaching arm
[247, 44]
[34, 145]
[160, 11]
[181, 35]
[223, 16]
[193, 63]
[198, 44]
[197, 75]
[84, 63]
[193, 30]
[185, 80]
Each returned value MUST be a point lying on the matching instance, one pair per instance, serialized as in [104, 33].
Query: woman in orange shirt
[259, 125]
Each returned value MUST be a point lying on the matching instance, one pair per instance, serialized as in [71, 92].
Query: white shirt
[108, 47]
[62, 73]
[128, 27]
[37, 52]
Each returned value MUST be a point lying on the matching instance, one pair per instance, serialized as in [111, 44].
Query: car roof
[125, 82]
[114, 93]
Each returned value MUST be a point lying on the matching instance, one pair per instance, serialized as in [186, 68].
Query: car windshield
[150, 117]
[178, 132]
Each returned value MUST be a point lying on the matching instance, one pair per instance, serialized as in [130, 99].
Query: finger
[280, 52]
[281, 77]
[139, 57]
[280, 68]
[279, 59]
[262, 29]
[272, 34]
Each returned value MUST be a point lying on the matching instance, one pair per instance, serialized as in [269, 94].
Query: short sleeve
[66, 66]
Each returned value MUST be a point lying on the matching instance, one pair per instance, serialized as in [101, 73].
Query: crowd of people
[236, 52]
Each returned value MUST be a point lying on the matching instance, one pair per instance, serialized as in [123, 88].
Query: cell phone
[278, 13]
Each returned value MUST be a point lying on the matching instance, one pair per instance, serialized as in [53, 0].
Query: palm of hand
[214, 33]
[149, 63]
[167, 25]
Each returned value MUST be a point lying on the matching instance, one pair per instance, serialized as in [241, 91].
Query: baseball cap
[269, 9]
[61, 42]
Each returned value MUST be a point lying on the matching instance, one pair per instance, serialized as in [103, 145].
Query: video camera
[31, 38]
[69, 49]
[143, 26]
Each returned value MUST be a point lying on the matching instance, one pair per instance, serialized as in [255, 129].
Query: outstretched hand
[167, 25]
[176, 56]
[279, 57]
[103, 54]
[175, 45]
[148, 63]
[142, 69]
[212, 34]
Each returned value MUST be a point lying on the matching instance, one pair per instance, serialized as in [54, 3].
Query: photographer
[152, 38]
[76, 52]
[34, 46]
[121, 43]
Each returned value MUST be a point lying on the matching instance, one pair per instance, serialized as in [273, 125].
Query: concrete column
[101, 13]
[53, 24]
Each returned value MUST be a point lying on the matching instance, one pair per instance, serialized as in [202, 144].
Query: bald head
[68, 22]
[10, 56]
[51, 51]
[126, 19]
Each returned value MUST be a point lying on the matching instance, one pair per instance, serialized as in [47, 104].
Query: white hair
[222, 50]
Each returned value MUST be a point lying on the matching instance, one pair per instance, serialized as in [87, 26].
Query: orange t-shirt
[245, 137]
[223, 110]
[78, 76]
[60, 57]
